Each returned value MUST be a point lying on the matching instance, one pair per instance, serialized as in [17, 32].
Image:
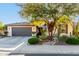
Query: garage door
[21, 31]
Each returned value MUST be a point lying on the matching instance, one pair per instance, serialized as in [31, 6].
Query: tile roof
[20, 24]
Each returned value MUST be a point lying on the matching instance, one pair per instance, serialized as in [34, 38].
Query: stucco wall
[70, 30]
[9, 29]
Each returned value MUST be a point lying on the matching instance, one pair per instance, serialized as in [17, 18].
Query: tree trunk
[51, 29]
[55, 30]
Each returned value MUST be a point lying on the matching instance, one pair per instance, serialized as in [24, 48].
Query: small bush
[43, 37]
[78, 37]
[63, 38]
[33, 40]
[72, 41]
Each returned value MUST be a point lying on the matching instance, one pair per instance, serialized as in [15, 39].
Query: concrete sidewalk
[46, 50]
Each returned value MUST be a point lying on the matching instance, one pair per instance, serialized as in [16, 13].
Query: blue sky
[9, 13]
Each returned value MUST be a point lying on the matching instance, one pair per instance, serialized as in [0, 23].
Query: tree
[39, 22]
[63, 20]
[33, 10]
[1, 26]
[76, 29]
[48, 11]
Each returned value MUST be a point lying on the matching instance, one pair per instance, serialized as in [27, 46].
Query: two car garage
[20, 29]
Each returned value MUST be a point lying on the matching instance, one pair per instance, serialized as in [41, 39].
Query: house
[28, 29]
[64, 29]
[21, 29]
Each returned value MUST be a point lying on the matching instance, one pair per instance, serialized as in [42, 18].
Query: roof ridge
[19, 23]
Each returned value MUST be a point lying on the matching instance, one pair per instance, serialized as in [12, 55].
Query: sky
[9, 13]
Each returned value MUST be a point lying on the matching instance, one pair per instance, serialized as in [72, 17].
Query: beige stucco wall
[33, 28]
[9, 29]
[70, 30]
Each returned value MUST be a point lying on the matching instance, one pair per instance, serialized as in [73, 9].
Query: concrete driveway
[8, 44]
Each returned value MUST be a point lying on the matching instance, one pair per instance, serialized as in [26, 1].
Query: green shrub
[43, 37]
[63, 38]
[77, 37]
[72, 41]
[33, 40]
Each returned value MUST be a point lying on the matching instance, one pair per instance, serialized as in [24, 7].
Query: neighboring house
[21, 29]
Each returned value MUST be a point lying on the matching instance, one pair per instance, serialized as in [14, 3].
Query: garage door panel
[21, 31]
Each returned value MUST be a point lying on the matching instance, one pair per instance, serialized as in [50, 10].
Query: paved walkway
[46, 50]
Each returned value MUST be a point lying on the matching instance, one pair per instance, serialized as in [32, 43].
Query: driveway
[8, 44]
